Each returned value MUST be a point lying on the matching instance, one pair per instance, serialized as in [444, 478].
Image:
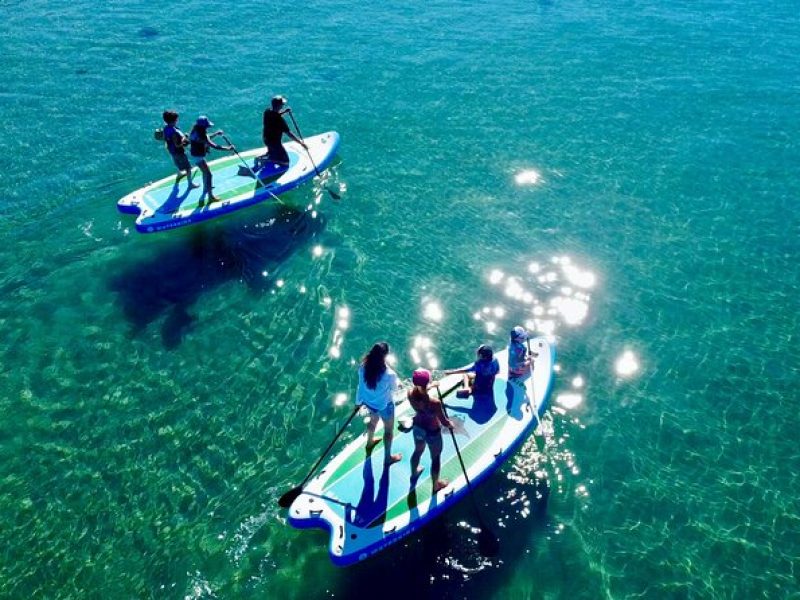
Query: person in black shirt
[274, 128]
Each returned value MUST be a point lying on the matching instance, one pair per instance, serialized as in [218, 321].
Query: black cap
[278, 102]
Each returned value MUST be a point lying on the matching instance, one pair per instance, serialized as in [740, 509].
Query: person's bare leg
[436, 465]
[388, 436]
[416, 470]
[372, 441]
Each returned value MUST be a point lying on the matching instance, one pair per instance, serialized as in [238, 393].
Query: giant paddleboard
[163, 205]
[366, 507]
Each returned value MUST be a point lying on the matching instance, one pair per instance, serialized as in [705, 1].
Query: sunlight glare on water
[627, 364]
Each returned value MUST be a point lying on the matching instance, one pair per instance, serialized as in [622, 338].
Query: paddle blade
[333, 194]
[488, 544]
[286, 500]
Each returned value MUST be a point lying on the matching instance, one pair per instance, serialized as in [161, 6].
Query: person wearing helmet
[175, 142]
[479, 376]
[199, 144]
[274, 128]
[377, 383]
[519, 363]
[429, 419]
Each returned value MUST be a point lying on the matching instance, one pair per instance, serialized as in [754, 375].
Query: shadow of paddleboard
[442, 560]
[195, 262]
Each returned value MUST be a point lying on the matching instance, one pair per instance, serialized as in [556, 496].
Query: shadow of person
[371, 508]
[482, 410]
[175, 198]
[188, 266]
[516, 396]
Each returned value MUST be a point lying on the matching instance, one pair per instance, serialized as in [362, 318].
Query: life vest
[169, 140]
[198, 142]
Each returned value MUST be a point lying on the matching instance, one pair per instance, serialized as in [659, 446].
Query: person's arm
[296, 139]
[287, 131]
[179, 139]
[218, 147]
[442, 417]
[465, 369]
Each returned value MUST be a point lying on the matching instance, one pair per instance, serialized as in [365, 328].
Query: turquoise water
[620, 176]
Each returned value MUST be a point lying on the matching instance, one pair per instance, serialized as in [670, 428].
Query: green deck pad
[471, 451]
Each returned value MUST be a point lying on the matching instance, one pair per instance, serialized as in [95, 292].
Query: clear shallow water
[159, 393]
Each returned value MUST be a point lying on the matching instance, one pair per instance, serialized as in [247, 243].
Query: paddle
[488, 544]
[286, 500]
[247, 166]
[239, 156]
[333, 194]
[533, 389]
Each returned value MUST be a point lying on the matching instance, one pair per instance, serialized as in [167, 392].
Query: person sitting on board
[479, 376]
[427, 430]
[175, 141]
[199, 144]
[377, 383]
[519, 363]
[274, 128]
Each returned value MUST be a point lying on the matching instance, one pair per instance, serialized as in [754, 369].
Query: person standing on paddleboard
[199, 144]
[274, 128]
[519, 363]
[479, 376]
[377, 383]
[176, 141]
[427, 429]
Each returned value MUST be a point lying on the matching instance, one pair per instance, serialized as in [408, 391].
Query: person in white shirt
[377, 383]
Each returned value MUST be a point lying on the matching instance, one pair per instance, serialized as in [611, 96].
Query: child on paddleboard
[519, 363]
[175, 142]
[479, 376]
[377, 383]
[427, 429]
[199, 144]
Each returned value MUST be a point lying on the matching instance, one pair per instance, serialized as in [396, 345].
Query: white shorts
[385, 413]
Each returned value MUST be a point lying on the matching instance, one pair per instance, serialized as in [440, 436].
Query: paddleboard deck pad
[163, 205]
[366, 507]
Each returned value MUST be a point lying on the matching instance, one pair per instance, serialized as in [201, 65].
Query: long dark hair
[374, 363]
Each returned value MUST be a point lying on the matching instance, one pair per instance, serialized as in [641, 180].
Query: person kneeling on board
[479, 376]
[377, 383]
[199, 144]
[427, 430]
[274, 128]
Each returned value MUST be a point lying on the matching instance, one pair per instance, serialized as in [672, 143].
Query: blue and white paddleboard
[163, 205]
[366, 507]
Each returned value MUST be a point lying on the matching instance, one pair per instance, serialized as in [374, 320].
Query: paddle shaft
[534, 407]
[333, 441]
[461, 460]
[333, 194]
[249, 168]
[239, 156]
[294, 122]
[533, 387]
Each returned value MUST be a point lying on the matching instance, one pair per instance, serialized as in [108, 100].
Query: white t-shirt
[379, 398]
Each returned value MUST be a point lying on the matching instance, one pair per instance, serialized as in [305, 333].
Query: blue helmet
[519, 333]
[485, 352]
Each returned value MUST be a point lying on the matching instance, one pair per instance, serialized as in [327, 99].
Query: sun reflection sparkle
[342, 320]
[627, 364]
[528, 177]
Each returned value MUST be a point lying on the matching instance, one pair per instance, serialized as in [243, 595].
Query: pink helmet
[421, 377]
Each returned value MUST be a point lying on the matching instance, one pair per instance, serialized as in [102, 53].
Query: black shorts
[181, 161]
